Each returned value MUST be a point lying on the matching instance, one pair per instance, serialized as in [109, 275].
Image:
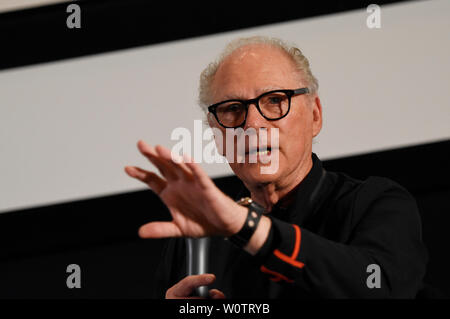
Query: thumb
[216, 294]
[159, 230]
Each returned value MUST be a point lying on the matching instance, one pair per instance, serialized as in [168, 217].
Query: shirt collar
[304, 195]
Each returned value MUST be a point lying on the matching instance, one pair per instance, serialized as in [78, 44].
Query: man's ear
[317, 116]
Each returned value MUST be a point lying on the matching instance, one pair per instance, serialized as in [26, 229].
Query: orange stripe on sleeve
[298, 237]
[288, 259]
[277, 276]
[292, 259]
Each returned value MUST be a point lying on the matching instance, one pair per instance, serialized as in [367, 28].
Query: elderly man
[306, 232]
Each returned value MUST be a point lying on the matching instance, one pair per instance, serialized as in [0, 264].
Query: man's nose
[254, 118]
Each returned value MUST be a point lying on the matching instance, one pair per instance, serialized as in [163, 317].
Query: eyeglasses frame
[255, 101]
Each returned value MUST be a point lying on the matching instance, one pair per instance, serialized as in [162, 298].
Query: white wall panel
[68, 128]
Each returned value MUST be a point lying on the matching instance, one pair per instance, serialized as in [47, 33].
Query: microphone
[197, 252]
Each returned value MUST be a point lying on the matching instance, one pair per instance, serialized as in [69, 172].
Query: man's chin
[256, 174]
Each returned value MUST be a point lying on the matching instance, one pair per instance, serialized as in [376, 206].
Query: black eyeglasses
[272, 105]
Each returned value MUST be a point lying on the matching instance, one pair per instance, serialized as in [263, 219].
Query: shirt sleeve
[385, 232]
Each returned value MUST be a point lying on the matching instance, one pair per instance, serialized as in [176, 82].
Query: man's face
[249, 72]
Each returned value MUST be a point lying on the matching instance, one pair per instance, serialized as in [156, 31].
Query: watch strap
[254, 214]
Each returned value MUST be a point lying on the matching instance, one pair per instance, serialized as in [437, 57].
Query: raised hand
[197, 206]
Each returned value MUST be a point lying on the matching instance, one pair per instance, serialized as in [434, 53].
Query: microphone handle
[197, 252]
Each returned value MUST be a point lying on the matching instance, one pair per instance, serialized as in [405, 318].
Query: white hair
[296, 55]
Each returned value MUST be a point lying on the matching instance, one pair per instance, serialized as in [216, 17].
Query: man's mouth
[265, 151]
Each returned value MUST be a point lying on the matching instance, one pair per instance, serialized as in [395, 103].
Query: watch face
[245, 201]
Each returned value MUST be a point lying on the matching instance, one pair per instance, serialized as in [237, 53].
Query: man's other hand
[185, 287]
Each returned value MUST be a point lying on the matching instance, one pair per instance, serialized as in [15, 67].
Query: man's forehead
[240, 93]
[252, 70]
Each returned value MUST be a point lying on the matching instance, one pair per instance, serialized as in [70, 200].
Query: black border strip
[39, 35]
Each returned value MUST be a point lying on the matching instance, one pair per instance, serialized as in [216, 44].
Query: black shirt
[322, 245]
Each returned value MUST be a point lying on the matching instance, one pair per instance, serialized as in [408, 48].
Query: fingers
[151, 179]
[163, 159]
[170, 165]
[159, 230]
[203, 178]
[185, 287]
[175, 162]
[216, 294]
[162, 165]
